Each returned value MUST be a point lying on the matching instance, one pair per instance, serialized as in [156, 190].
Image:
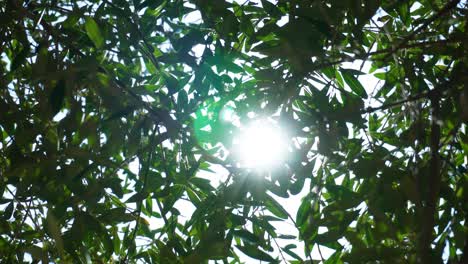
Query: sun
[261, 145]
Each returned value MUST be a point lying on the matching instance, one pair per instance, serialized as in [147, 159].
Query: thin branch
[389, 51]
[429, 210]
[371, 143]
[158, 203]
[439, 14]
[398, 103]
[279, 249]
[368, 54]
[442, 42]
[145, 180]
[320, 253]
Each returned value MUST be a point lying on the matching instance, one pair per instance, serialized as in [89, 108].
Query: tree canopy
[91, 88]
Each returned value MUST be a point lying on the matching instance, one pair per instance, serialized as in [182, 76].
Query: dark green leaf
[354, 84]
[19, 59]
[57, 97]
[8, 212]
[246, 236]
[274, 207]
[117, 215]
[255, 253]
[271, 9]
[303, 211]
[288, 251]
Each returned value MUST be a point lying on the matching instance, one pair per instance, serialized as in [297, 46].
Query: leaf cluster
[110, 122]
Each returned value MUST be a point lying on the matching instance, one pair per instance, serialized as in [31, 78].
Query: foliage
[90, 86]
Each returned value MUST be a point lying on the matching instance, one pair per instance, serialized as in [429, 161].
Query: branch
[398, 103]
[145, 180]
[279, 249]
[320, 253]
[158, 203]
[429, 210]
[441, 42]
[431, 94]
[441, 12]
[389, 52]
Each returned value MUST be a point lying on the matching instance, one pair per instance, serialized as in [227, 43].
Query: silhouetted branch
[441, 12]
[429, 208]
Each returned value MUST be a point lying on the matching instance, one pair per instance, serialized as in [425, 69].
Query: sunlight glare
[261, 146]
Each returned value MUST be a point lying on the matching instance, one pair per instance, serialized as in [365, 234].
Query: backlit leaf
[94, 33]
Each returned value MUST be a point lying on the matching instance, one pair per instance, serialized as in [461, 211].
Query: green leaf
[36, 252]
[182, 99]
[246, 236]
[275, 208]
[230, 25]
[8, 212]
[166, 254]
[232, 67]
[303, 211]
[137, 197]
[287, 237]
[116, 215]
[328, 237]
[57, 97]
[54, 229]
[19, 59]
[107, 243]
[255, 253]
[288, 251]
[354, 83]
[172, 83]
[271, 9]
[94, 33]
[202, 184]
[345, 197]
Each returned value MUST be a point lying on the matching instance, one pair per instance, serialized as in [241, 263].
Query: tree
[89, 87]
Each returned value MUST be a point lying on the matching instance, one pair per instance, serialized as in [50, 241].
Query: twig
[320, 253]
[158, 203]
[145, 180]
[413, 45]
[428, 94]
[367, 55]
[429, 210]
[441, 12]
[397, 103]
[279, 249]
